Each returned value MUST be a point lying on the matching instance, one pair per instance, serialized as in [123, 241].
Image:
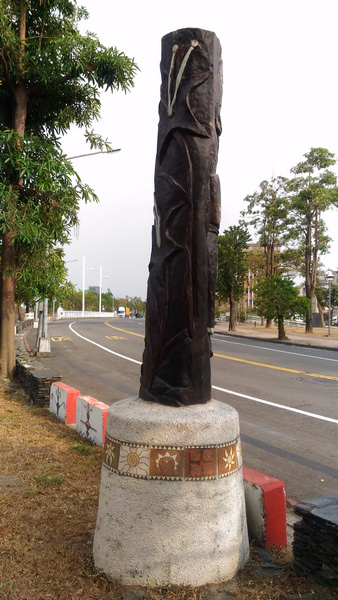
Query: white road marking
[277, 350]
[275, 405]
[219, 389]
[137, 362]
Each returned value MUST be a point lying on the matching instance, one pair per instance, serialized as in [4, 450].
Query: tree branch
[6, 74]
[73, 75]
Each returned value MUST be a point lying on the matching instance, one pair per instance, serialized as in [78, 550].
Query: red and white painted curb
[266, 508]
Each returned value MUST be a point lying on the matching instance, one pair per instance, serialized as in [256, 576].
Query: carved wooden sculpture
[183, 265]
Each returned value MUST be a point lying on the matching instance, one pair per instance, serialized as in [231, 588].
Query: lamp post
[100, 296]
[83, 283]
[329, 279]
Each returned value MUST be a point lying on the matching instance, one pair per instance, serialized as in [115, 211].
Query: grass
[49, 496]
[82, 448]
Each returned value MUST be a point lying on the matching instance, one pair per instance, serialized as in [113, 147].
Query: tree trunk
[321, 315]
[232, 325]
[281, 330]
[268, 323]
[20, 312]
[308, 283]
[7, 316]
[8, 257]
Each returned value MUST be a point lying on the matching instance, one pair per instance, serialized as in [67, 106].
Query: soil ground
[49, 485]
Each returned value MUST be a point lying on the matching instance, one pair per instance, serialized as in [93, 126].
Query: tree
[70, 298]
[41, 275]
[51, 77]
[232, 267]
[313, 191]
[277, 298]
[267, 213]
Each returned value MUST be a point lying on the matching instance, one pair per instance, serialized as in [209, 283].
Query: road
[286, 396]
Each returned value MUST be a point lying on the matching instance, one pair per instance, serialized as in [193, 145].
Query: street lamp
[329, 279]
[100, 297]
[83, 283]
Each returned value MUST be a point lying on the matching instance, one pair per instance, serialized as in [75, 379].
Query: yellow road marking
[60, 339]
[248, 362]
[115, 337]
[257, 364]
[124, 330]
[322, 376]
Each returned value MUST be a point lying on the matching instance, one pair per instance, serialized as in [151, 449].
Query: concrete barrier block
[265, 508]
[91, 419]
[63, 402]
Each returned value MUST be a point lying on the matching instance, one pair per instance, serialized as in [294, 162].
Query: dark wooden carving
[183, 265]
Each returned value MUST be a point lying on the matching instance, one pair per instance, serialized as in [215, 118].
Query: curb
[275, 341]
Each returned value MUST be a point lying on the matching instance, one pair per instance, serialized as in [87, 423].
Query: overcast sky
[280, 98]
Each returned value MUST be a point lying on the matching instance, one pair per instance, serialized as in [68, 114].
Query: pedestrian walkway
[296, 334]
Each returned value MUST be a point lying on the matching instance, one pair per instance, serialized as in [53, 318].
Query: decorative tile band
[194, 463]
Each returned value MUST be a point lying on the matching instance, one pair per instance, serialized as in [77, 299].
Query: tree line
[286, 217]
[71, 299]
[51, 79]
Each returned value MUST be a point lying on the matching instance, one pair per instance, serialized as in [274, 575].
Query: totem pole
[172, 506]
[183, 265]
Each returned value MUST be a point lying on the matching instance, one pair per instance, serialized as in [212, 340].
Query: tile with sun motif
[200, 463]
[227, 459]
[111, 453]
[166, 463]
[134, 460]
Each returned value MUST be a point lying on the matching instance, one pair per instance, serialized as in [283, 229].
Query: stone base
[171, 507]
[44, 347]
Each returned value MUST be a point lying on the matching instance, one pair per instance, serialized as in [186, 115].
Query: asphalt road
[286, 397]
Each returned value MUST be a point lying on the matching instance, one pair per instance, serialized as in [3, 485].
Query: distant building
[94, 288]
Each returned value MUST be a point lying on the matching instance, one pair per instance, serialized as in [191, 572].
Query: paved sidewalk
[297, 336]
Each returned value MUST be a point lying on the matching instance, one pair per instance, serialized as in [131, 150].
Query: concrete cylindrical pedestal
[171, 507]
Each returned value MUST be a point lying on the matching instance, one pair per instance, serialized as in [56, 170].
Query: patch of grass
[48, 480]
[82, 448]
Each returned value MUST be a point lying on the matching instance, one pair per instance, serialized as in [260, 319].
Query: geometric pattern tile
[200, 463]
[172, 463]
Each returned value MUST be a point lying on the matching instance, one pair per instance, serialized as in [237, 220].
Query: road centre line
[125, 330]
[225, 391]
[278, 350]
[249, 362]
[275, 405]
[257, 364]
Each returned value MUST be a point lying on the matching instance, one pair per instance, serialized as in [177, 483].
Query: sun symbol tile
[134, 460]
[227, 460]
